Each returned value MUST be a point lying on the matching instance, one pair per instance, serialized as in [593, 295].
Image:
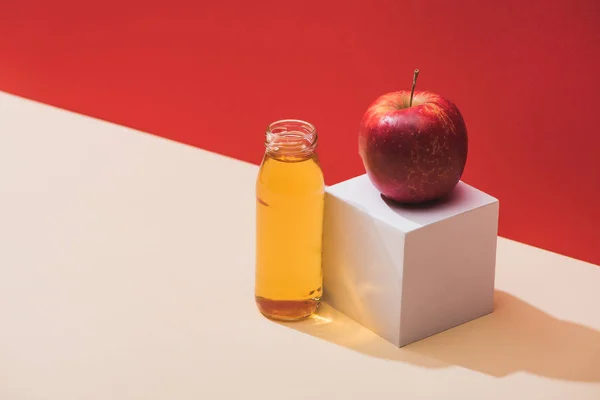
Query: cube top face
[361, 193]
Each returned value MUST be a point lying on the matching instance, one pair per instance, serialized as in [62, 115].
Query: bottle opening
[291, 137]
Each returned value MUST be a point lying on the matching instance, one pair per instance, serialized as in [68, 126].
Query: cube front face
[404, 279]
[449, 271]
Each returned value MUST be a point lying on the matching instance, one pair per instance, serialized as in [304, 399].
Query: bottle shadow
[515, 337]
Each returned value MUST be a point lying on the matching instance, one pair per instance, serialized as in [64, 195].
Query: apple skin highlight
[413, 154]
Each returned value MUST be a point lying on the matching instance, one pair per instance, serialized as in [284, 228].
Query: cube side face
[449, 273]
[362, 267]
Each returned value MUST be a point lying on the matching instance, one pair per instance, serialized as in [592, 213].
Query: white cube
[408, 272]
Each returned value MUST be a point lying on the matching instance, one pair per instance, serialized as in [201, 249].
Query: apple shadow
[425, 212]
[425, 205]
[516, 337]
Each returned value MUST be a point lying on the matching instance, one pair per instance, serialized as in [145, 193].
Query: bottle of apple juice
[289, 222]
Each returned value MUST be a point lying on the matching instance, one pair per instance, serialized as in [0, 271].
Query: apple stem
[412, 91]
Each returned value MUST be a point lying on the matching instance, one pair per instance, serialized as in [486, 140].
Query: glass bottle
[290, 194]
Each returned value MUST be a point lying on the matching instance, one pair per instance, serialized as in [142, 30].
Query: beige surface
[126, 272]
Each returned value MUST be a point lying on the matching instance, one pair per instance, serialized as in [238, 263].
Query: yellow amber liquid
[290, 200]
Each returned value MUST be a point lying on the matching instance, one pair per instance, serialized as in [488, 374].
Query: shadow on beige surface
[515, 337]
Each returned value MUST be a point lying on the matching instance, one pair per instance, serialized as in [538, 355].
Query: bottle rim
[303, 134]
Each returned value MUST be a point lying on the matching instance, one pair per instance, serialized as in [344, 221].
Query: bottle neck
[291, 139]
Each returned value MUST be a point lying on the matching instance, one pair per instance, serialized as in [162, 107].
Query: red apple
[415, 153]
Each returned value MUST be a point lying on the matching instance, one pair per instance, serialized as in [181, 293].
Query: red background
[213, 74]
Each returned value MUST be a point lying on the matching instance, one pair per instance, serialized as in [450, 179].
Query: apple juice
[289, 223]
